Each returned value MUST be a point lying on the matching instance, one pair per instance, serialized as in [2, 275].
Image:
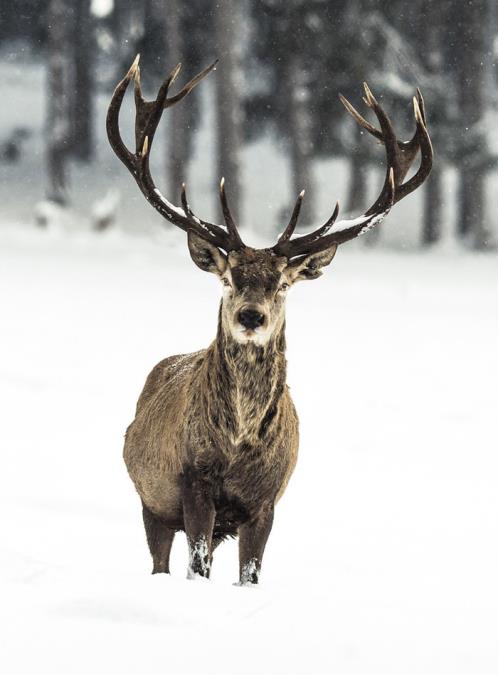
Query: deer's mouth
[257, 336]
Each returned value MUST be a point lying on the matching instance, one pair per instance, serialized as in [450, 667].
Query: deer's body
[224, 413]
[215, 437]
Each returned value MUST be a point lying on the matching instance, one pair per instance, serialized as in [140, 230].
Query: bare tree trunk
[83, 91]
[430, 34]
[431, 229]
[58, 128]
[176, 147]
[228, 109]
[359, 163]
[300, 137]
[358, 174]
[470, 83]
[471, 206]
[491, 63]
[357, 184]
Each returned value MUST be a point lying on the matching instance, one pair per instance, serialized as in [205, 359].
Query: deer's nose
[250, 318]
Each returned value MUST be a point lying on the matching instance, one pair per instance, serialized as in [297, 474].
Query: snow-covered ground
[384, 554]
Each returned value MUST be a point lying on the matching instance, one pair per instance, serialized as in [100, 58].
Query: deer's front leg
[198, 517]
[253, 536]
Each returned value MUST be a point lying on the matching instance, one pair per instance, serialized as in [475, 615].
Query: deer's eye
[283, 287]
[226, 283]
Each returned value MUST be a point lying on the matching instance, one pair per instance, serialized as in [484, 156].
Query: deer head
[255, 281]
[255, 284]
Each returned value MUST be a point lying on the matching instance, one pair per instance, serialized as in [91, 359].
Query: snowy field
[384, 554]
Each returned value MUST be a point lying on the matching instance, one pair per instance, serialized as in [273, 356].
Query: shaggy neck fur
[245, 384]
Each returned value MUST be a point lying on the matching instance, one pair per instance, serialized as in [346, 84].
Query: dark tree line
[282, 65]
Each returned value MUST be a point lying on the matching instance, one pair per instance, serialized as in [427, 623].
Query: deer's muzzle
[250, 318]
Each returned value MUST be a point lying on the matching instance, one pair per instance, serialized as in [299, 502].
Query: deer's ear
[310, 266]
[205, 255]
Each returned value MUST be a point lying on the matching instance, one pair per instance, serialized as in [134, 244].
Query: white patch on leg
[198, 556]
[250, 573]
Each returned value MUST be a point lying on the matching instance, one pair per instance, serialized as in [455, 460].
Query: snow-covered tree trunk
[83, 90]
[300, 126]
[228, 109]
[58, 116]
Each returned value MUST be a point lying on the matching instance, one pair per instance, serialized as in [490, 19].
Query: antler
[400, 157]
[148, 115]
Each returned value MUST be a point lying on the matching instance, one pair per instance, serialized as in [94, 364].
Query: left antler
[400, 157]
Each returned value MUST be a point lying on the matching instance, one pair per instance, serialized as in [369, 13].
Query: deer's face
[255, 284]
[254, 290]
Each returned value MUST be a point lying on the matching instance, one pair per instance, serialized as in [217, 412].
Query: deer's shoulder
[173, 369]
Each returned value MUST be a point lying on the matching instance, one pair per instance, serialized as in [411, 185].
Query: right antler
[148, 115]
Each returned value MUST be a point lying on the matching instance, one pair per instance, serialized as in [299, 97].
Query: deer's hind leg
[160, 538]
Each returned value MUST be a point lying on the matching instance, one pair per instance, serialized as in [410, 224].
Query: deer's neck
[248, 381]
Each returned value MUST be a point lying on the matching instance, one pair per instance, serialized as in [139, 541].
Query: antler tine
[360, 119]
[148, 115]
[284, 244]
[423, 143]
[230, 223]
[193, 83]
[421, 104]
[289, 230]
[186, 206]
[391, 144]
[112, 120]
[317, 234]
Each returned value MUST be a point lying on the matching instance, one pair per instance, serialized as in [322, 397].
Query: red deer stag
[215, 436]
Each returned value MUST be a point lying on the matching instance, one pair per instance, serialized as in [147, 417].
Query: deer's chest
[246, 475]
[241, 485]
